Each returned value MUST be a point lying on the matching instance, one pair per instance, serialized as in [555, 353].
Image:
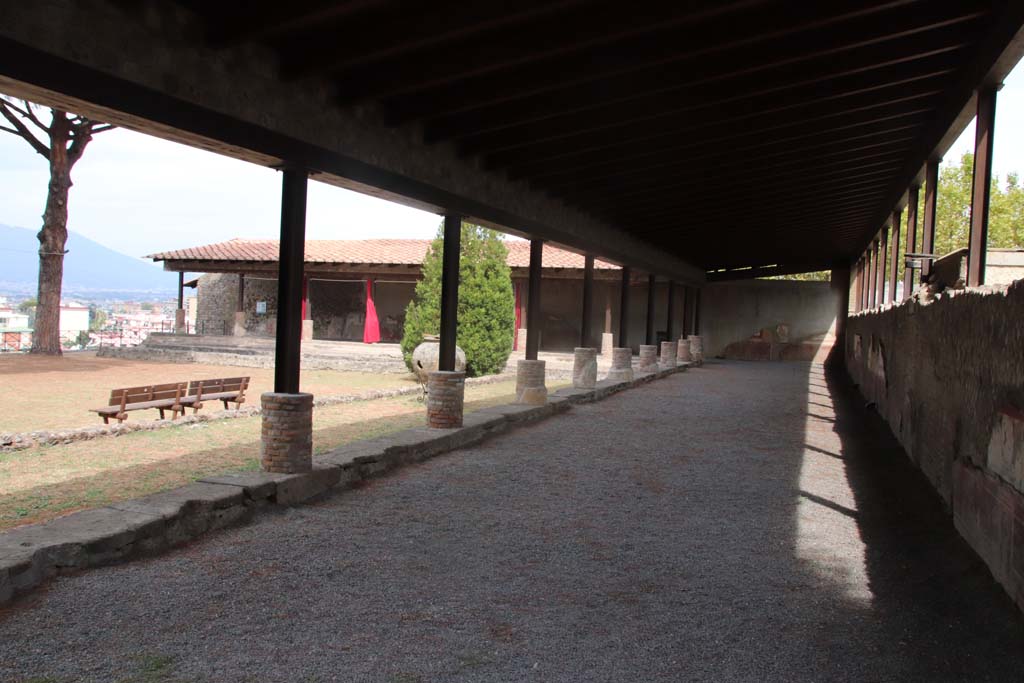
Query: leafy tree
[953, 209]
[27, 306]
[486, 312]
[97, 318]
[62, 142]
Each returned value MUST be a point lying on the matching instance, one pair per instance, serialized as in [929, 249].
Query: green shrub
[486, 315]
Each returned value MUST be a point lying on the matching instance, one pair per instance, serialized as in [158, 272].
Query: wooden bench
[163, 397]
[175, 397]
[227, 390]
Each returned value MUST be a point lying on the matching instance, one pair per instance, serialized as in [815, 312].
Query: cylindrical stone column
[530, 387]
[286, 445]
[607, 343]
[683, 350]
[622, 365]
[179, 321]
[668, 355]
[648, 358]
[445, 394]
[697, 348]
[584, 368]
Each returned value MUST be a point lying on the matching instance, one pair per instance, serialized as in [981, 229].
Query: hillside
[89, 268]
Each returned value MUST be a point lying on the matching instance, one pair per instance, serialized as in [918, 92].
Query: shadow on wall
[948, 378]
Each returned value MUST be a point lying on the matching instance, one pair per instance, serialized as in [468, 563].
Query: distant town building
[74, 319]
[15, 334]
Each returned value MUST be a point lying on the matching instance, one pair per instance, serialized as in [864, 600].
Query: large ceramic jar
[424, 358]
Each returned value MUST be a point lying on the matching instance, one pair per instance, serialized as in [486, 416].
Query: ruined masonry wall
[948, 377]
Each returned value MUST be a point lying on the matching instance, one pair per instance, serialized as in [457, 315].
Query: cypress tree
[486, 314]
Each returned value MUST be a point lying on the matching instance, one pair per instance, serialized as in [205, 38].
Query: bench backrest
[153, 392]
[218, 386]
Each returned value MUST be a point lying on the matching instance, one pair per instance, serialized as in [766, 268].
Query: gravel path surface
[738, 522]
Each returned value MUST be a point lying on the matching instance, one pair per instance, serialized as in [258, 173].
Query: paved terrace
[736, 522]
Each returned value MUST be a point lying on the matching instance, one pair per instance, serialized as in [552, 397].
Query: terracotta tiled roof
[363, 252]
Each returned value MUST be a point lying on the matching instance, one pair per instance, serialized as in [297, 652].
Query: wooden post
[624, 309]
[588, 300]
[240, 307]
[981, 185]
[181, 291]
[287, 352]
[908, 274]
[449, 292]
[883, 248]
[533, 302]
[931, 189]
[894, 255]
[670, 320]
[650, 309]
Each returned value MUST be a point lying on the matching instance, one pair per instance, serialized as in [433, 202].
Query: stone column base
[622, 365]
[446, 392]
[584, 368]
[238, 330]
[179, 321]
[668, 355]
[307, 330]
[530, 387]
[697, 349]
[607, 344]
[648, 358]
[286, 445]
[683, 350]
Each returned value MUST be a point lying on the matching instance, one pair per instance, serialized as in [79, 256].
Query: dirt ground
[38, 392]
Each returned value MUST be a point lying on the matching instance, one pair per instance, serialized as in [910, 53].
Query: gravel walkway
[739, 522]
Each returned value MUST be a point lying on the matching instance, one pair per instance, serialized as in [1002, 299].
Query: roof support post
[449, 292]
[873, 273]
[287, 352]
[588, 300]
[181, 290]
[840, 285]
[931, 189]
[671, 319]
[696, 310]
[533, 301]
[650, 310]
[894, 256]
[624, 309]
[883, 247]
[908, 273]
[240, 306]
[981, 186]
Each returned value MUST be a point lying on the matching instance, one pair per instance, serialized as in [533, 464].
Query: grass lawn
[57, 393]
[42, 483]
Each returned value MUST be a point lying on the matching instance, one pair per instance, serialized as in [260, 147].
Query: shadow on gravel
[936, 605]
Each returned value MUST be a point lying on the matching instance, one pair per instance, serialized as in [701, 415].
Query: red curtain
[371, 328]
[519, 317]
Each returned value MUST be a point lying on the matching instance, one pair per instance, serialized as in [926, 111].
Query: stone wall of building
[948, 378]
[260, 291]
[217, 299]
[732, 312]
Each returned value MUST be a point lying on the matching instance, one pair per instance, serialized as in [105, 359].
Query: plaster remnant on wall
[1006, 447]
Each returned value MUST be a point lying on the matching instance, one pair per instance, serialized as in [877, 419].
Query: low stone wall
[145, 526]
[948, 377]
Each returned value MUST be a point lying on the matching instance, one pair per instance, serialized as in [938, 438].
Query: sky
[138, 194]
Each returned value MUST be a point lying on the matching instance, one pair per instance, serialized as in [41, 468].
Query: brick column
[584, 368]
[307, 330]
[697, 348]
[446, 390]
[683, 350]
[530, 387]
[622, 365]
[668, 355]
[179, 321]
[648, 358]
[287, 441]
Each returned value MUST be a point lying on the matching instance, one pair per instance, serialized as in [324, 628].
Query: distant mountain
[90, 269]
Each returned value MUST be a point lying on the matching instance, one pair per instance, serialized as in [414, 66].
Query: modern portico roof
[380, 252]
[722, 134]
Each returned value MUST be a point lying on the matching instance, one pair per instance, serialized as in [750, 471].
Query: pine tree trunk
[52, 238]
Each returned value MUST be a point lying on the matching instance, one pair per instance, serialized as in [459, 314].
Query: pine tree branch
[102, 128]
[23, 130]
[32, 117]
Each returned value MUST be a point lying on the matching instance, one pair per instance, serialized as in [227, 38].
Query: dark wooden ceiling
[731, 134]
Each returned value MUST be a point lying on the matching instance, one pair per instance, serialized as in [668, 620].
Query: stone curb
[153, 524]
[24, 440]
